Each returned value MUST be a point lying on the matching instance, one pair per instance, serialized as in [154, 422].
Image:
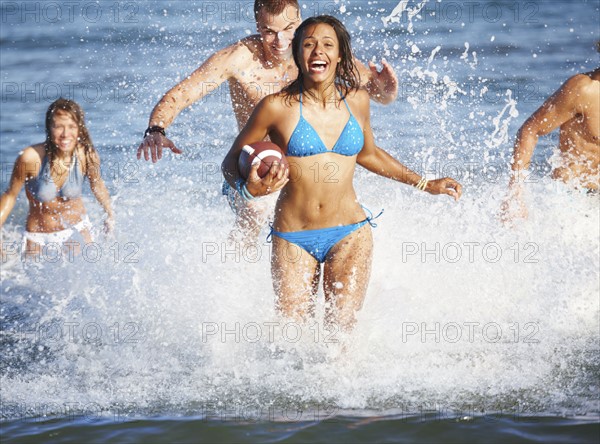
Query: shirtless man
[575, 108]
[254, 67]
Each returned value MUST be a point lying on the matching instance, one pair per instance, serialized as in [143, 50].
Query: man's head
[276, 22]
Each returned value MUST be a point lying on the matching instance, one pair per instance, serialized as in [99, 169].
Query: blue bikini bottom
[318, 243]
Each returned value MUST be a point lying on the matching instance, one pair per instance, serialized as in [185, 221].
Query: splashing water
[460, 310]
[397, 12]
[499, 135]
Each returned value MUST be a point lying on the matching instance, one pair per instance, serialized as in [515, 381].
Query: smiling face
[322, 52]
[319, 52]
[64, 131]
[277, 32]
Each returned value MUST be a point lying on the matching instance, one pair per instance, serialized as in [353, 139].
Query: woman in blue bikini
[322, 122]
[53, 173]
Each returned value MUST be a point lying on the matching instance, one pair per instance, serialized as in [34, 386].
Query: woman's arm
[28, 161]
[99, 190]
[257, 128]
[380, 162]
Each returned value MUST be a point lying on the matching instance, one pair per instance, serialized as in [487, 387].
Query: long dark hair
[347, 77]
[83, 138]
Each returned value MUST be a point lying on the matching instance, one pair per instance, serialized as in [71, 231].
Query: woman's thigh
[346, 276]
[296, 275]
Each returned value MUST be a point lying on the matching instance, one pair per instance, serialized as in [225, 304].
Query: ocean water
[470, 332]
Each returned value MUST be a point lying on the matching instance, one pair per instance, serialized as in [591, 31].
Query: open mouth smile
[318, 66]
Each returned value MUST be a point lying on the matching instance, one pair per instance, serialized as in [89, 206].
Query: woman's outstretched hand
[446, 185]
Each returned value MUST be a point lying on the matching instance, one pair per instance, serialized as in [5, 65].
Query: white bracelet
[422, 184]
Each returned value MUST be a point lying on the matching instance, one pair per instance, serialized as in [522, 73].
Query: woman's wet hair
[66, 106]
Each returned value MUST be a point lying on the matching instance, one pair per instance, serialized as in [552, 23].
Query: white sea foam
[460, 309]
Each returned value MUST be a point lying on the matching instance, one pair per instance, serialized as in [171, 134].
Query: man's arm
[213, 72]
[556, 110]
[559, 108]
[382, 86]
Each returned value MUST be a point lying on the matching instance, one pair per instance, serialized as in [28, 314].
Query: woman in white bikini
[53, 173]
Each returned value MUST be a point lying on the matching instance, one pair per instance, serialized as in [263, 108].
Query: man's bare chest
[257, 84]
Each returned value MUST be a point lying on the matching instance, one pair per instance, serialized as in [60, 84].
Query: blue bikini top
[43, 188]
[306, 142]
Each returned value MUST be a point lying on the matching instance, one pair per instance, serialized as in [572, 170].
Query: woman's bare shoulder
[358, 96]
[359, 102]
[33, 153]
[276, 103]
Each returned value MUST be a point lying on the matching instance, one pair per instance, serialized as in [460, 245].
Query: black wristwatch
[154, 129]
